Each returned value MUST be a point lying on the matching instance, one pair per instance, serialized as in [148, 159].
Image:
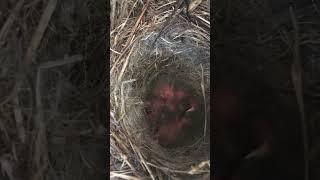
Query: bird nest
[179, 54]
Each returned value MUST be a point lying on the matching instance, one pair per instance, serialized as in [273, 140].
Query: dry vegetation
[137, 60]
[51, 95]
[285, 42]
[52, 80]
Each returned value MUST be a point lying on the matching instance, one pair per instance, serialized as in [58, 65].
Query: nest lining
[179, 54]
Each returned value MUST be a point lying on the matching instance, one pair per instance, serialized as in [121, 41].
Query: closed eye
[148, 110]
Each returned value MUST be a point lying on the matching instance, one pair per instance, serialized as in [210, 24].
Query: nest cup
[180, 54]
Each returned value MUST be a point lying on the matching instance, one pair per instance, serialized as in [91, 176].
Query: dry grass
[49, 107]
[284, 40]
[135, 65]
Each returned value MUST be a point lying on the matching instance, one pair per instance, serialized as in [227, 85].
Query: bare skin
[168, 112]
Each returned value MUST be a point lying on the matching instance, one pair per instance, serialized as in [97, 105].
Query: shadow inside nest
[174, 113]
